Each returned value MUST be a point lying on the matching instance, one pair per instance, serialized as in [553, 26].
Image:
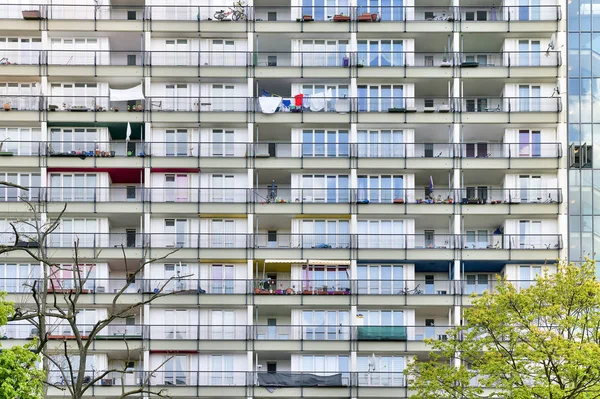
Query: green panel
[382, 333]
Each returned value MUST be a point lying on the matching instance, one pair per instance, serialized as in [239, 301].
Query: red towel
[298, 100]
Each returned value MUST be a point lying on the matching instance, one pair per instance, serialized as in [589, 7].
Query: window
[69, 95]
[176, 324]
[176, 233]
[66, 277]
[477, 283]
[478, 239]
[18, 277]
[381, 234]
[530, 143]
[83, 231]
[381, 53]
[73, 187]
[530, 189]
[176, 370]
[325, 188]
[175, 272]
[223, 188]
[177, 142]
[529, 53]
[222, 233]
[528, 275]
[389, 10]
[271, 16]
[332, 92]
[529, 235]
[131, 193]
[325, 143]
[380, 279]
[327, 364]
[529, 99]
[325, 234]
[325, 278]
[223, 324]
[382, 317]
[176, 188]
[323, 52]
[385, 371]
[20, 140]
[177, 98]
[222, 279]
[224, 98]
[320, 325]
[32, 181]
[222, 143]
[381, 189]
[221, 370]
[381, 144]
[131, 15]
[321, 10]
[380, 98]
[77, 51]
[70, 140]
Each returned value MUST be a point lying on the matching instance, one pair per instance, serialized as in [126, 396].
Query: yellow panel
[322, 216]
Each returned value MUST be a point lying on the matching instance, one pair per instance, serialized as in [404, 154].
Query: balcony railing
[509, 196]
[509, 150]
[326, 58]
[194, 286]
[510, 241]
[338, 14]
[292, 241]
[103, 149]
[269, 105]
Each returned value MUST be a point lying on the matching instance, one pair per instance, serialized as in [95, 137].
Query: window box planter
[398, 200]
[52, 107]
[307, 292]
[341, 18]
[472, 64]
[305, 18]
[368, 17]
[31, 14]
[6, 154]
[473, 201]
[396, 110]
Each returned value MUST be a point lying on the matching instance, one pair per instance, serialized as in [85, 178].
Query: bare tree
[48, 308]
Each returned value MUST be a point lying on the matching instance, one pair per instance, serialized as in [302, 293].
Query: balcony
[21, 108]
[540, 247]
[526, 155]
[484, 109]
[92, 109]
[99, 63]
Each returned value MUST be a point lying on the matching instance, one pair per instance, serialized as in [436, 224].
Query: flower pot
[116, 109]
[6, 106]
[140, 108]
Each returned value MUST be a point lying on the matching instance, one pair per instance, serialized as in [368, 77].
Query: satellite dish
[551, 44]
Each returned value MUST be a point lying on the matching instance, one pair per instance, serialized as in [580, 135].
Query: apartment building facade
[337, 176]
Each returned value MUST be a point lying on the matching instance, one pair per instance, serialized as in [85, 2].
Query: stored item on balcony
[470, 64]
[429, 109]
[381, 333]
[444, 108]
[234, 13]
[368, 17]
[305, 18]
[31, 14]
[79, 108]
[341, 18]
[346, 62]
[291, 379]
[342, 105]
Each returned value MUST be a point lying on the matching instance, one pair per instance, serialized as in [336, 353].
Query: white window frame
[375, 146]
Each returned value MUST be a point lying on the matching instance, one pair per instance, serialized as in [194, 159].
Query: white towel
[317, 102]
[269, 105]
[342, 105]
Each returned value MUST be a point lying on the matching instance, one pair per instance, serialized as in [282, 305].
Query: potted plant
[140, 107]
[341, 18]
[129, 109]
[79, 108]
[473, 200]
[52, 107]
[7, 106]
[445, 62]
[31, 14]
[116, 109]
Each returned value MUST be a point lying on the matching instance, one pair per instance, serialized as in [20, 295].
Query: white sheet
[269, 105]
[135, 93]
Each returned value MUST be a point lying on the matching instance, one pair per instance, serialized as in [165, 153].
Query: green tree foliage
[20, 377]
[539, 342]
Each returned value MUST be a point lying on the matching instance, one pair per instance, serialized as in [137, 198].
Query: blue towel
[265, 93]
